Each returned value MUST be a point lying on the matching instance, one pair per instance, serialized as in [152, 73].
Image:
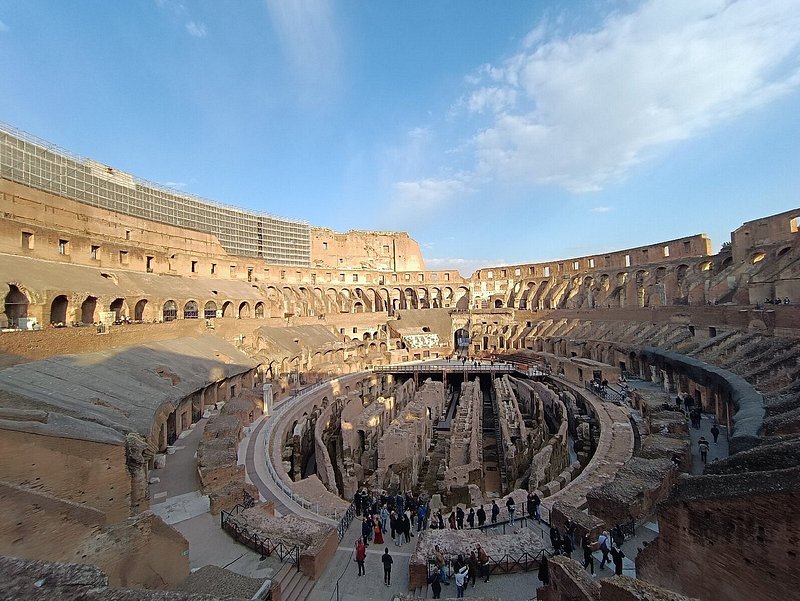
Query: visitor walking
[481, 516]
[588, 560]
[511, 507]
[604, 542]
[471, 518]
[461, 580]
[495, 512]
[436, 584]
[483, 560]
[703, 445]
[616, 556]
[715, 432]
[387, 567]
[361, 555]
[544, 571]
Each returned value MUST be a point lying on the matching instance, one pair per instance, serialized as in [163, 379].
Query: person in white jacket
[462, 576]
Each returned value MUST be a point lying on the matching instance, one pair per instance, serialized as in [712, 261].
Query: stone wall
[465, 457]
[405, 444]
[139, 552]
[53, 465]
[715, 543]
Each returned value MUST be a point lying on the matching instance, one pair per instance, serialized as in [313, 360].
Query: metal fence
[260, 544]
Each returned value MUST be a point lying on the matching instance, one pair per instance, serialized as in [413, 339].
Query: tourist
[459, 518]
[472, 562]
[511, 507]
[361, 555]
[436, 584]
[544, 571]
[378, 540]
[422, 512]
[588, 559]
[495, 512]
[451, 520]
[439, 519]
[438, 558]
[461, 578]
[384, 518]
[366, 530]
[483, 560]
[471, 518]
[570, 528]
[604, 542]
[617, 536]
[566, 546]
[688, 402]
[357, 502]
[481, 516]
[537, 508]
[405, 526]
[703, 445]
[387, 567]
[555, 540]
[715, 432]
[616, 556]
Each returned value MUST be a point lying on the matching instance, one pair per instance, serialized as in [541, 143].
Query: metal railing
[346, 520]
[332, 515]
[260, 544]
[604, 392]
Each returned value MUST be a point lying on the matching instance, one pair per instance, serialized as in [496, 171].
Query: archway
[88, 308]
[58, 309]
[139, 310]
[461, 340]
[118, 307]
[16, 305]
[190, 310]
[210, 310]
[170, 311]
[259, 310]
[227, 309]
[244, 310]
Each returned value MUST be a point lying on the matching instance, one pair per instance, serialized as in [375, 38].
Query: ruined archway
[210, 310]
[16, 306]
[227, 309]
[139, 310]
[170, 311]
[119, 308]
[244, 310]
[88, 308]
[58, 309]
[190, 310]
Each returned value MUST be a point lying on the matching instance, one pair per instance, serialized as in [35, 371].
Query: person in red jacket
[361, 555]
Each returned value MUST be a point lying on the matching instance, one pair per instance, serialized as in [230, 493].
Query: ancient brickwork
[465, 458]
[405, 444]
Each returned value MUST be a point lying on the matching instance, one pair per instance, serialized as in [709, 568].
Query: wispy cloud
[176, 185]
[600, 209]
[427, 194]
[196, 29]
[310, 41]
[3, 27]
[591, 106]
[465, 267]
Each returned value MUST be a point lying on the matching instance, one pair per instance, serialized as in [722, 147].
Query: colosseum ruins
[169, 360]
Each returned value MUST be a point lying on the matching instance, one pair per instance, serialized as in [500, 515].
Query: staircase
[290, 584]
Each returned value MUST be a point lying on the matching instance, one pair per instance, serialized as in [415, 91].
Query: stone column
[267, 388]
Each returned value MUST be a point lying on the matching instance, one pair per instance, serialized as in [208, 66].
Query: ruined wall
[519, 443]
[465, 457]
[729, 546]
[388, 251]
[405, 444]
[139, 552]
[53, 465]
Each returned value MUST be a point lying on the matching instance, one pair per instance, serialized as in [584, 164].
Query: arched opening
[118, 307]
[16, 305]
[210, 310]
[190, 310]
[259, 310]
[139, 310]
[727, 262]
[227, 309]
[170, 311]
[244, 310]
[88, 308]
[461, 340]
[758, 257]
[58, 309]
[784, 250]
[498, 303]
[358, 307]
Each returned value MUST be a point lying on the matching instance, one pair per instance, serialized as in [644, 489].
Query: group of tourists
[392, 514]
[464, 569]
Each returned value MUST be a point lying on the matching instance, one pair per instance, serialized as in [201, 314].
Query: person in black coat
[481, 516]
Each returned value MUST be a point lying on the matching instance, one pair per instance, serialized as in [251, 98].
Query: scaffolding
[33, 162]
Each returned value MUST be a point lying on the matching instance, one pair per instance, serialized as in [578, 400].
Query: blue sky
[492, 132]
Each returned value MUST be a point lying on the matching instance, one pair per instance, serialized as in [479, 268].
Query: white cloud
[196, 29]
[579, 111]
[465, 267]
[426, 194]
[176, 185]
[310, 41]
[3, 27]
[600, 209]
